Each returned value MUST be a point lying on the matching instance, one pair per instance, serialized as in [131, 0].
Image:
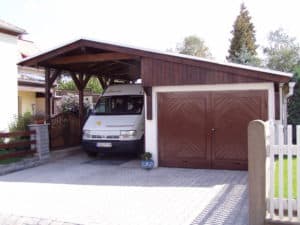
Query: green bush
[21, 122]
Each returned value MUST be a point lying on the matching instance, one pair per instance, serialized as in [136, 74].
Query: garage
[196, 110]
[207, 129]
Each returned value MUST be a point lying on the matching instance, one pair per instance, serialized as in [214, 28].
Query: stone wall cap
[37, 125]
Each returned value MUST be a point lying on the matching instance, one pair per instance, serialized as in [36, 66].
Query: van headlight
[87, 134]
[127, 134]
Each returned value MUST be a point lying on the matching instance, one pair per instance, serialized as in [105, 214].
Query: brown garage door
[207, 129]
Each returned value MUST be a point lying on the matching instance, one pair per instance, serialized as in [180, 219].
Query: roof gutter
[287, 90]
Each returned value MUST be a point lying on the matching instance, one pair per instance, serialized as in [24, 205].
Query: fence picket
[298, 175]
[271, 185]
[280, 168]
[290, 172]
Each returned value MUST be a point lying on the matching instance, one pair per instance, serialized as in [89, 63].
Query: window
[119, 105]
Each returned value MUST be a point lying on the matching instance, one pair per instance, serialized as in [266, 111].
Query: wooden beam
[76, 80]
[81, 108]
[102, 82]
[88, 58]
[86, 80]
[53, 77]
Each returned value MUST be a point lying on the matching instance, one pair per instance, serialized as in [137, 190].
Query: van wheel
[92, 154]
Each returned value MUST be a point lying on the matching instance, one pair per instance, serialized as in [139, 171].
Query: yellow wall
[26, 101]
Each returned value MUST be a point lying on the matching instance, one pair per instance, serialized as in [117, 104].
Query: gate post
[42, 140]
[257, 154]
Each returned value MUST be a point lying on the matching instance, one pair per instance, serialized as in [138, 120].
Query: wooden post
[81, 106]
[80, 82]
[257, 154]
[47, 95]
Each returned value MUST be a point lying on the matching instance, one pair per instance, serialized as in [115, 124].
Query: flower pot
[147, 164]
[39, 121]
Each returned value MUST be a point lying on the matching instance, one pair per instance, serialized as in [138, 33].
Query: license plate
[104, 144]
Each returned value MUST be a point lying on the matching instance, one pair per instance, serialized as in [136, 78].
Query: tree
[94, 85]
[283, 51]
[242, 47]
[246, 58]
[193, 45]
[69, 84]
[294, 101]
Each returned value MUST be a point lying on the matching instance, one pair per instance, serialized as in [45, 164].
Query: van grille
[112, 136]
[105, 137]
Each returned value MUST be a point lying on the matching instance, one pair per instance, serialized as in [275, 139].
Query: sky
[155, 24]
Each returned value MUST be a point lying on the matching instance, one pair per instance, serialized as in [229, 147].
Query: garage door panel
[182, 135]
[207, 129]
[232, 111]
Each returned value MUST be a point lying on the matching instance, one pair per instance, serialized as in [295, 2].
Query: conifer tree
[243, 48]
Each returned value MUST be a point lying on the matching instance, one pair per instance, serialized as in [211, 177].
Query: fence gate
[65, 131]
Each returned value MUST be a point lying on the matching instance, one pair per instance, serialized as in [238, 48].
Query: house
[9, 35]
[31, 82]
[197, 110]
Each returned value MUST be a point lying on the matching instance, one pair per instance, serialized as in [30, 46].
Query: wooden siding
[162, 73]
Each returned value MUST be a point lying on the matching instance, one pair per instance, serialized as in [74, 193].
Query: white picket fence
[282, 203]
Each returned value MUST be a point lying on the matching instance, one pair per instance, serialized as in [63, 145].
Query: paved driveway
[116, 191]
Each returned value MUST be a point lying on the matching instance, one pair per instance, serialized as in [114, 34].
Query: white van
[117, 123]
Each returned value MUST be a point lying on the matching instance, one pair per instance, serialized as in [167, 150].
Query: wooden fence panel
[283, 154]
[17, 148]
[65, 131]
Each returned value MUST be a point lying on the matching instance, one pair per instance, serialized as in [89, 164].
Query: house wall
[8, 84]
[151, 134]
[27, 100]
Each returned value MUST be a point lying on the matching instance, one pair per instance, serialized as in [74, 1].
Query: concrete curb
[59, 154]
[21, 165]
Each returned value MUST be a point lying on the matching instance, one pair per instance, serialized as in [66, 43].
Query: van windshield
[119, 105]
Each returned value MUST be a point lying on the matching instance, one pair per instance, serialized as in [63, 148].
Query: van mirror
[91, 110]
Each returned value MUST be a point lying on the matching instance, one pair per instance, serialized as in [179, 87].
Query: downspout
[287, 91]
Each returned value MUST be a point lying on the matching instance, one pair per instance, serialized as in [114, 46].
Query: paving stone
[73, 189]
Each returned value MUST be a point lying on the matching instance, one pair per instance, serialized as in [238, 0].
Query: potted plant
[147, 161]
[39, 118]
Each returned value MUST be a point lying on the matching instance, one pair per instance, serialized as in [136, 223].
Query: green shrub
[21, 122]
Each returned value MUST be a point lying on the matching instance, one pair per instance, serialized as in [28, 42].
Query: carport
[197, 110]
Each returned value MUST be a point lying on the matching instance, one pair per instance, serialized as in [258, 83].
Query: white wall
[151, 125]
[8, 79]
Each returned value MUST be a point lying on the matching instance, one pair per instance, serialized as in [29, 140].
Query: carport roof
[93, 57]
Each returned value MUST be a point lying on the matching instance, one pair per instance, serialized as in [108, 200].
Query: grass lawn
[285, 178]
